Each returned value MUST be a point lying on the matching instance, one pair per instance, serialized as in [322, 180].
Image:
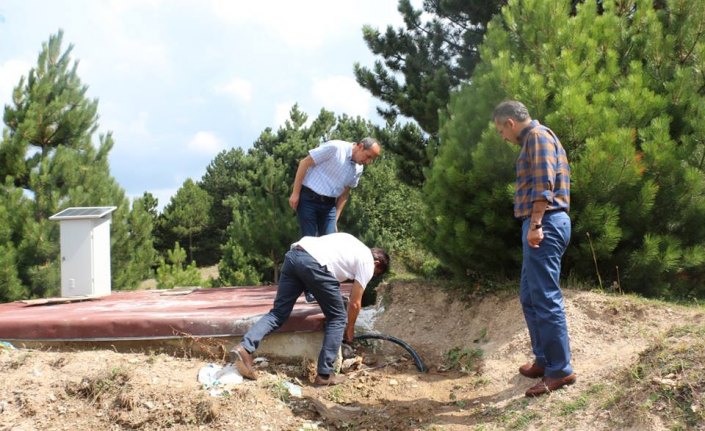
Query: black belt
[316, 197]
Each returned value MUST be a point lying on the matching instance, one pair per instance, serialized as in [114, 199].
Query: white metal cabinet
[85, 250]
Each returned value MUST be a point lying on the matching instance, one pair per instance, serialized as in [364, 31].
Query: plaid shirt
[542, 170]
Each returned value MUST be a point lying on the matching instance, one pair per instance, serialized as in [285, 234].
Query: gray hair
[368, 142]
[511, 109]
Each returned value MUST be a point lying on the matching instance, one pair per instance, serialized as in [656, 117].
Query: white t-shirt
[345, 256]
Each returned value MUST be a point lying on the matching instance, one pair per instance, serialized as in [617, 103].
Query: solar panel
[82, 213]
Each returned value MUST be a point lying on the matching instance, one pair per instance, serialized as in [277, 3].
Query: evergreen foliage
[188, 213]
[13, 208]
[48, 163]
[421, 64]
[622, 86]
[382, 211]
[174, 272]
[263, 224]
[223, 178]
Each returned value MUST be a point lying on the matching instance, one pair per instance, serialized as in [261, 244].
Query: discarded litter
[217, 378]
[6, 345]
[294, 390]
[261, 361]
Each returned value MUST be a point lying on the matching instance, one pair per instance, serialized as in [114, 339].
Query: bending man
[319, 264]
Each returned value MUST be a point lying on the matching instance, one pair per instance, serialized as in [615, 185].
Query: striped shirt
[333, 170]
[542, 171]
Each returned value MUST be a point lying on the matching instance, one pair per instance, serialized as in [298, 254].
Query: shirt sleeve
[364, 272]
[541, 153]
[323, 153]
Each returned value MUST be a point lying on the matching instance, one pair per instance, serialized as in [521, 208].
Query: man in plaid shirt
[541, 201]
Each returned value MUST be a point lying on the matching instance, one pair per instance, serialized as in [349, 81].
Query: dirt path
[105, 390]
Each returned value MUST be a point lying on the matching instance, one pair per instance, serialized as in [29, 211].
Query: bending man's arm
[354, 305]
[304, 165]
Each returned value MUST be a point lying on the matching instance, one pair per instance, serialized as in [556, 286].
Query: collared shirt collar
[525, 131]
[349, 154]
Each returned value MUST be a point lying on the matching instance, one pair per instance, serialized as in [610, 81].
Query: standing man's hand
[534, 237]
[294, 201]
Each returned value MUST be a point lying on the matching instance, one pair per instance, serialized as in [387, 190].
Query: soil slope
[472, 351]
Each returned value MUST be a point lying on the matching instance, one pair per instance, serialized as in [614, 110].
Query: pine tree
[47, 151]
[263, 224]
[188, 213]
[174, 272]
[13, 208]
[421, 65]
[224, 177]
[133, 245]
[621, 87]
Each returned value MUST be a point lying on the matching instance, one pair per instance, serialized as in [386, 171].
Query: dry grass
[667, 384]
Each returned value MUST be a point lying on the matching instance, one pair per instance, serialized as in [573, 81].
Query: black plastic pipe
[412, 352]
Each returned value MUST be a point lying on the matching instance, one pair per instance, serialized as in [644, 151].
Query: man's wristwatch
[536, 226]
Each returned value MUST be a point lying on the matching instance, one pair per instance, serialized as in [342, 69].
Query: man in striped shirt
[541, 201]
[323, 182]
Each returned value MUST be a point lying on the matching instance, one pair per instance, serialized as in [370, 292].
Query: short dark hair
[382, 257]
[511, 109]
[368, 142]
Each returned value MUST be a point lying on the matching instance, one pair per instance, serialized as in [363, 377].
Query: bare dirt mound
[472, 351]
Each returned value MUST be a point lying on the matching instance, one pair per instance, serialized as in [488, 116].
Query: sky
[178, 81]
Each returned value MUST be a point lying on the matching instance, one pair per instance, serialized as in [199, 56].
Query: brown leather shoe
[531, 371]
[242, 360]
[331, 380]
[548, 384]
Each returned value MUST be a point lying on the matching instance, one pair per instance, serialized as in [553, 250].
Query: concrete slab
[187, 320]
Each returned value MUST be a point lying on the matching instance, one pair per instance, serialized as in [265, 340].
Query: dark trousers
[316, 214]
[299, 270]
[541, 296]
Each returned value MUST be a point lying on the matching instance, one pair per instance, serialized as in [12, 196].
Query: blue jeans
[541, 297]
[299, 270]
[316, 217]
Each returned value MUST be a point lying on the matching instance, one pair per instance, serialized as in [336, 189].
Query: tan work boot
[331, 380]
[242, 359]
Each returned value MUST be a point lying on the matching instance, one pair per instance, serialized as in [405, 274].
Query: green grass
[463, 359]
[573, 406]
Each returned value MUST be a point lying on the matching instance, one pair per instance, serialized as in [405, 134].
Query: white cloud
[238, 88]
[129, 46]
[205, 143]
[281, 113]
[308, 24]
[342, 94]
[10, 73]
[163, 196]
[135, 127]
